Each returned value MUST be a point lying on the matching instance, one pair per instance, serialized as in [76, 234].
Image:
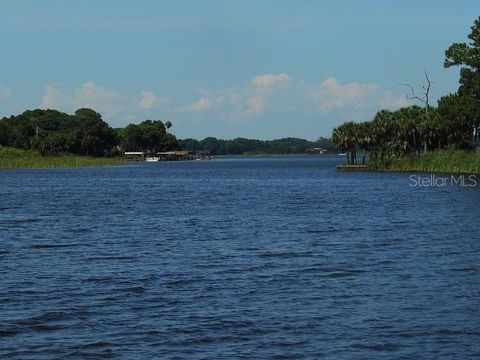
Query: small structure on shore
[316, 151]
[203, 155]
[175, 155]
[160, 156]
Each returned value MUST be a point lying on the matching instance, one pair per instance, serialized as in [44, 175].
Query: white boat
[342, 154]
[152, 159]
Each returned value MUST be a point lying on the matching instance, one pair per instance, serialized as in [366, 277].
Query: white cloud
[107, 102]
[4, 93]
[199, 105]
[267, 80]
[54, 98]
[282, 96]
[252, 99]
[392, 101]
[110, 103]
[147, 101]
[331, 94]
[266, 96]
[255, 105]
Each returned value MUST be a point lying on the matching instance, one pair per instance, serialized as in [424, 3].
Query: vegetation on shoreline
[439, 161]
[447, 134]
[18, 158]
[52, 132]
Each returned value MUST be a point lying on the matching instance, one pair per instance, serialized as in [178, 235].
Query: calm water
[278, 258]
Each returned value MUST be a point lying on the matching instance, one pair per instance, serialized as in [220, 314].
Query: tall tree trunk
[415, 145]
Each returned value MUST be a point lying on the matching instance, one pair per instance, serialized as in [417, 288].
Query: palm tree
[365, 137]
[381, 132]
[345, 137]
[168, 125]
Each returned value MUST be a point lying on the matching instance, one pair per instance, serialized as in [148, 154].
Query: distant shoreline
[274, 155]
[12, 158]
[440, 161]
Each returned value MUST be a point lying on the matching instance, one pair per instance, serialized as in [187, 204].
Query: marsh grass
[440, 161]
[17, 158]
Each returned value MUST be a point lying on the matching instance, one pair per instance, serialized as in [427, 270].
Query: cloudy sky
[263, 69]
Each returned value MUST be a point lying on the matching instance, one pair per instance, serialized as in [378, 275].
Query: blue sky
[262, 69]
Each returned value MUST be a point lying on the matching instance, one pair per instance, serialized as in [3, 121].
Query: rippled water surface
[278, 257]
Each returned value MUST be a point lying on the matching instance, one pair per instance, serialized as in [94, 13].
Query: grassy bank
[16, 158]
[440, 161]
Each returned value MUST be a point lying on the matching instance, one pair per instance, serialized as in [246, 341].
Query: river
[242, 257]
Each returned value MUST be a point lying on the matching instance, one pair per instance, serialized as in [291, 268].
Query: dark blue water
[278, 258]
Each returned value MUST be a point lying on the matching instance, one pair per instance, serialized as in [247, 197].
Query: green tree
[345, 137]
[216, 146]
[152, 134]
[132, 139]
[170, 142]
[461, 120]
[3, 134]
[95, 137]
[468, 57]
[190, 144]
[431, 130]
[364, 137]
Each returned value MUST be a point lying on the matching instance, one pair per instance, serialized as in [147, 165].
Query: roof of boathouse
[177, 153]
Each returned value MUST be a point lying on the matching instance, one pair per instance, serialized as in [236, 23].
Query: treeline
[453, 124]
[243, 146]
[84, 133]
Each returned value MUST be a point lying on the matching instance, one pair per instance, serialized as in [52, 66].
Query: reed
[439, 161]
[17, 158]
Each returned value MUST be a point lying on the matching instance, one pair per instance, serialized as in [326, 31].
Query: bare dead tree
[425, 98]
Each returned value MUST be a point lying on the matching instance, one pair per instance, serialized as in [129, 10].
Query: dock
[178, 155]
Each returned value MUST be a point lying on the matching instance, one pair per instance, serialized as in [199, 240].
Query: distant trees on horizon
[240, 146]
[86, 133]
